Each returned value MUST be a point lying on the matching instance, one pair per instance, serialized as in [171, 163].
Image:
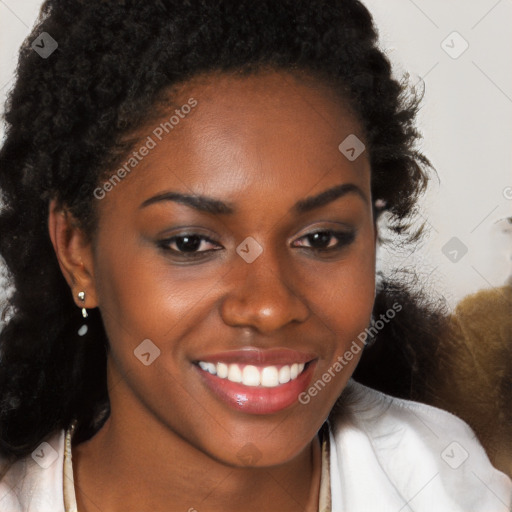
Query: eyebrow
[216, 206]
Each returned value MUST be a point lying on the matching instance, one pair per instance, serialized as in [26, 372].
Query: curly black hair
[68, 121]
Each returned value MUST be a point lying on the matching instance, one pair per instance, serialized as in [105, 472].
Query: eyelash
[344, 238]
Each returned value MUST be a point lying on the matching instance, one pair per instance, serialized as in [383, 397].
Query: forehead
[272, 131]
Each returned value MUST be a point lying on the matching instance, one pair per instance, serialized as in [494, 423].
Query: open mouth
[256, 389]
[254, 376]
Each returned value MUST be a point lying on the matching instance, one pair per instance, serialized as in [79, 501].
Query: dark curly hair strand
[68, 121]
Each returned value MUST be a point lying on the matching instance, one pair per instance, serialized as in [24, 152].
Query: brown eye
[187, 244]
[322, 241]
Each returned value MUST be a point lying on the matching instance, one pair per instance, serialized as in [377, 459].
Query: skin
[262, 143]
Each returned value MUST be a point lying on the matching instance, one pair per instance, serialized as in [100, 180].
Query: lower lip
[257, 399]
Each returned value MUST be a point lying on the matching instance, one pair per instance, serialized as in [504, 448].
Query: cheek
[344, 303]
[142, 296]
[345, 292]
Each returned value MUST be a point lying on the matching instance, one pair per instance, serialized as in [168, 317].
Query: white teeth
[222, 370]
[208, 367]
[284, 375]
[235, 374]
[249, 375]
[269, 377]
[295, 370]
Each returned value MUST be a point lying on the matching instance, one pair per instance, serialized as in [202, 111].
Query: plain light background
[460, 51]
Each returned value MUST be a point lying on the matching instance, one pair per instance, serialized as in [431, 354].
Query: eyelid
[326, 226]
[344, 237]
[168, 240]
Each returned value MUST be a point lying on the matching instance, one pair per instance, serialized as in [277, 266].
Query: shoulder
[413, 455]
[34, 482]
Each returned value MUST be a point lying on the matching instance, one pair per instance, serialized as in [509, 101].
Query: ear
[74, 254]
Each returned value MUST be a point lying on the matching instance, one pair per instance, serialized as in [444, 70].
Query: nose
[262, 295]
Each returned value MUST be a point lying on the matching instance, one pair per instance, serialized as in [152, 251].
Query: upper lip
[261, 357]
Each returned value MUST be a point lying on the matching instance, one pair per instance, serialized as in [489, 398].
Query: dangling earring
[83, 330]
[81, 296]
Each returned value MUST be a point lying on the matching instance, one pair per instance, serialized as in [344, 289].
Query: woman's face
[232, 283]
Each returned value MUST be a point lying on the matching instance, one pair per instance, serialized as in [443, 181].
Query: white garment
[385, 454]
[395, 455]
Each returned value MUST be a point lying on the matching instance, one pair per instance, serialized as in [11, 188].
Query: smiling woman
[191, 330]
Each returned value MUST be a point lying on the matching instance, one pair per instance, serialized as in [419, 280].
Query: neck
[127, 467]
